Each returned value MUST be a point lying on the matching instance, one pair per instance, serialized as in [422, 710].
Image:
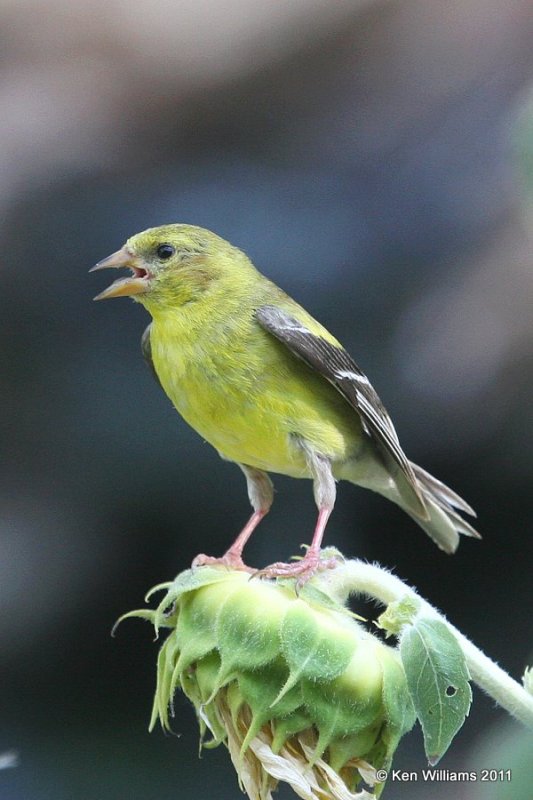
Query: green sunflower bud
[294, 686]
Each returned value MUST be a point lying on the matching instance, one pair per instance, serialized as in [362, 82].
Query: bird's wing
[338, 367]
[146, 348]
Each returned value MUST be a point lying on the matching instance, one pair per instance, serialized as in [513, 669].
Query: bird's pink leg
[261, 494]
[313, 554]
[324, 490]
[310, 563]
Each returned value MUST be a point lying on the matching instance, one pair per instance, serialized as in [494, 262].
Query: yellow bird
[269, 387]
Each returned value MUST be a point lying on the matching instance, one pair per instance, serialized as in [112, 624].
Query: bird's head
[172, 265]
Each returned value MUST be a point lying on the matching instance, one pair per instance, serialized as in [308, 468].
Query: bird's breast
[247, 403]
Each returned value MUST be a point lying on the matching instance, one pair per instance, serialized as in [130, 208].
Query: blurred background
[373, 158]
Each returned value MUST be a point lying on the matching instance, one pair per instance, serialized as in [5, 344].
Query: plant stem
[358, 577]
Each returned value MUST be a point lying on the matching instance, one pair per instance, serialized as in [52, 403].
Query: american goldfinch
[269, 387]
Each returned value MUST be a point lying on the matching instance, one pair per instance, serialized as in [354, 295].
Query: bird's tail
[444, 523]
[432, 504]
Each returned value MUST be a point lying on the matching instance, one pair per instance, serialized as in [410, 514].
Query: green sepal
[139, 613]
[165, 614]
[398, 614]
[315, 645]
[319, 599]
[356, 745]
[399, 708]
[162, 695]
[260, 690]
[160, 587]
[195, 630]
[197, 685]
[437, 677]
[234, 700]
[336, 714]
[206, 673]
[246, 627]
[286, 727]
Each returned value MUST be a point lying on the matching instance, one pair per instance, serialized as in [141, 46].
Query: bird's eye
[165, 251]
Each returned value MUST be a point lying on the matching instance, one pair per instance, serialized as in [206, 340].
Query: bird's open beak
[137, 283]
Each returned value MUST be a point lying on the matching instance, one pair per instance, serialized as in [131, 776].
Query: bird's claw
[302, 570]
[229, 560]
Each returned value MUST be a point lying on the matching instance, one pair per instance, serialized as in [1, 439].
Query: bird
[269, 388]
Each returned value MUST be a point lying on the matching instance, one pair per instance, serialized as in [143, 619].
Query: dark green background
[371, 163]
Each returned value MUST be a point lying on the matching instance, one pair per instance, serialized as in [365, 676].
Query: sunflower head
[293, 686]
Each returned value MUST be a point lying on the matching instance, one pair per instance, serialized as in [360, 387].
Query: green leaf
[437, 677]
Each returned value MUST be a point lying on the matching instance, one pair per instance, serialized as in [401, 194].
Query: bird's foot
[229, 560]
[313, 561]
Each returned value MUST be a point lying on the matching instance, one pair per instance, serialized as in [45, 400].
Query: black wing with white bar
[339, 368]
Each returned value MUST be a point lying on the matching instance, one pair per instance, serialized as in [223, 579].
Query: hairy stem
[358, 577]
